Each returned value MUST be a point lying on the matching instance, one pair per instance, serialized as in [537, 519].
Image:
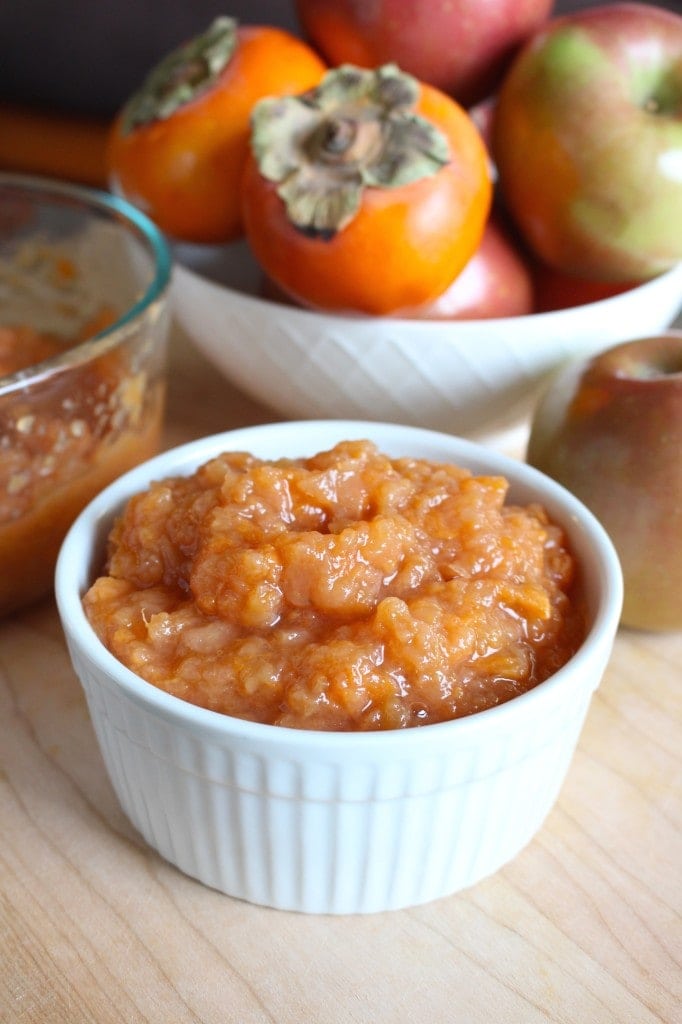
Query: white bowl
[466, 377]
[337, 822]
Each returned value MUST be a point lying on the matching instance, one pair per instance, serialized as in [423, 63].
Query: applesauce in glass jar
[83, 330]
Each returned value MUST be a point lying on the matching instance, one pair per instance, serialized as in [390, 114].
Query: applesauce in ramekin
[344, 591]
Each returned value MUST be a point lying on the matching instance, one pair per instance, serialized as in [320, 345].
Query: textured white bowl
[466, 377]
[337, 822]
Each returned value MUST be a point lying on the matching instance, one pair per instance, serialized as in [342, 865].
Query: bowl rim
[73, 575]
[437, 328]
[121, 211]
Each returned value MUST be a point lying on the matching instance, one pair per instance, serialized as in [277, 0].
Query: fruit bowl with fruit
[393, 253]
[465, 376]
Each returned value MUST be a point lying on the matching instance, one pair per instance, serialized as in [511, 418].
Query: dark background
[87, 56]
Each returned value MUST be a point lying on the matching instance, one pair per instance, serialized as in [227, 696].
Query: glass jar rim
[132, 219]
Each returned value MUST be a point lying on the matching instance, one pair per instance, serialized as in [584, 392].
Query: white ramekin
[336, 822]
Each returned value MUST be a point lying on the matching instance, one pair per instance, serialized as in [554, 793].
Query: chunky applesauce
[64, 435]
[346, 591]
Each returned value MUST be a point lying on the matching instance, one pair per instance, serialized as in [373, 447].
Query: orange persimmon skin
[405, 245]
[184, 171]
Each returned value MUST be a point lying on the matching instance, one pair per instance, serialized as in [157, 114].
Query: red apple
[461, 46]
[587, 141]
[496, 282]
[610, 430]
[555, 290]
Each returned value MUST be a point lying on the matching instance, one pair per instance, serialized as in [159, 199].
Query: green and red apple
[462, 47]
[587, 139]
[610, 430]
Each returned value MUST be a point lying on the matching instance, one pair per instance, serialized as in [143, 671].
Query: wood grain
[582, 928]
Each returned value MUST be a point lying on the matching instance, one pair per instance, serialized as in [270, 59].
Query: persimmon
[68, 146]
[178, 146]
[369, 193]
[496, 282]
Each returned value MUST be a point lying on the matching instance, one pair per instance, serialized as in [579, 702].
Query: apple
[461, 46]
[496, 282]
[587, 140]
[610, 430]
[556, 290]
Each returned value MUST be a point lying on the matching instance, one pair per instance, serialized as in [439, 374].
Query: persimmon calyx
[182, 75]
[357, 129]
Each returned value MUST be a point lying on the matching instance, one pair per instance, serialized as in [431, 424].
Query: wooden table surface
[583, 927]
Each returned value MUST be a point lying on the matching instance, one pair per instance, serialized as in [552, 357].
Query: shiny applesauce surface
[346, 591]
